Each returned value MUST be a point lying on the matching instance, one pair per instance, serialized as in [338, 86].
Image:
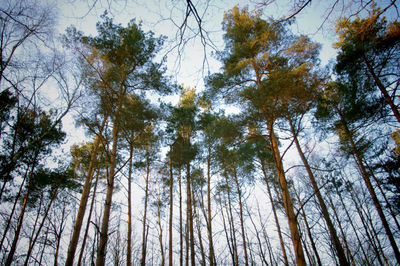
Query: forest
[275, 159]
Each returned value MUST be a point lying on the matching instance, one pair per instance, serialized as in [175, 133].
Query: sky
[164, 17]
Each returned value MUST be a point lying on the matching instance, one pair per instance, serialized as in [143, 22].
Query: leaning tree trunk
[84, 198]
[144, 234]
[332, 231]
[88, 221]
[171, 202]
[371, 191]
[101, 251]
[190, 216]
[180, 219]
[383, 90]
[278, 227]
[246, 259]
[209, 227]
[129, 240]
[287, 201]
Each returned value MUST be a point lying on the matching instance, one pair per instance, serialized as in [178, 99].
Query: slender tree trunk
[350, 219]
[19, 225]
[260, 246]
[146, 198]
[287, 201]
[371, 191]
[198, 227]
[246, 259]
[383, 90]
[171, 208]
[84, 198]
[209, 222]
[332, 231]
[229, 240]
[278, 227]
[303, 213]
[88, 221]
[44, 245]
[59, 234]
[190, 216]
[129, 240]
[101, 252]
[32, 244]
[180, 219]
[160, 232]
[187, 239]
[368, 231]
[231, 224]
[8, 224]
[266, 238]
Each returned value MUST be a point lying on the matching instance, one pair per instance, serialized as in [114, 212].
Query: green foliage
[51, 180]
[32, 136]
[366, 45]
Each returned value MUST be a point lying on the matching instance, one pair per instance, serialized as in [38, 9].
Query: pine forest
[275, 152]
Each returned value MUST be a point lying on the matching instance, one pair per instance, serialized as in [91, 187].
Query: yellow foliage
[396, 138]
[187, 97]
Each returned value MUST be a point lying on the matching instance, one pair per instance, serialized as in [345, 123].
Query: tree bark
[278, 227]
[88, 221]
[101, 252]
[171, 208]
[383, 90]
[19, 226]
[144, 235]
[287, 201]
[209, 224]
[246, 259]
[129, 240]
[180, 219]
[84, 198]
[332, 231]
[371, 191]
[190, 216]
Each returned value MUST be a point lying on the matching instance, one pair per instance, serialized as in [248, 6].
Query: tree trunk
[332, 231]
[229, 240]
[8, 224]
[246, 259]
[371, 191]
[144, 235]
[19, 225]
[32, 244]
[352, 226]
[260, 246]
[129, 240]
[383, 90]
[190, 216]
[88, 221]
[84, 198]
[209, 227]
[59, 234]
[303, 213]
[180, 219]
[287, 201]
[101, 252]
[198, 227]
[171, 208]
[160, 232]
[231, 224]
[278, 227]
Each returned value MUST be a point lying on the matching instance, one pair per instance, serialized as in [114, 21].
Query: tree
[254, 72]
[181, 124]
[348, 109]
[117, 61]
[369, 54]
